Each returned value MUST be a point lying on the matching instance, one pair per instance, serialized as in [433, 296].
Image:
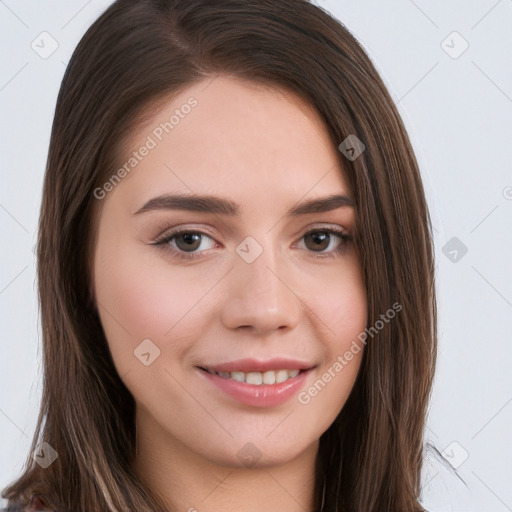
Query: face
[250, 285]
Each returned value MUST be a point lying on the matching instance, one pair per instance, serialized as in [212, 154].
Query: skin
[266, 150]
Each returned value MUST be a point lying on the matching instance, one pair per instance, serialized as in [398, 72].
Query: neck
[188, 482]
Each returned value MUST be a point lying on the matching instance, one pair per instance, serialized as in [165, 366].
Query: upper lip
[256, 365]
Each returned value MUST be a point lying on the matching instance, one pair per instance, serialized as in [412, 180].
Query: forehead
[233, 138]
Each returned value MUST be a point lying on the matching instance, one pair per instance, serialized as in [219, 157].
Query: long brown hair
[138, 53]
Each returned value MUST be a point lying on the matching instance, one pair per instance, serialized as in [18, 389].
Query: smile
[258, 389]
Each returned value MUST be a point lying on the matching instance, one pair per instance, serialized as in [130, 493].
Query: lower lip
[262, 395]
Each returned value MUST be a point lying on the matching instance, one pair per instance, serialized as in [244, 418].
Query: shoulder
[36, 504]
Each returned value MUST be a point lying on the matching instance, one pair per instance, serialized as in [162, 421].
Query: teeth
[269, 377]
[281, 375]
[239, 376]
[254, 378]
[258, 378]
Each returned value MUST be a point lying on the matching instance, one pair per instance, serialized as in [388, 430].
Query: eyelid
[170, 229]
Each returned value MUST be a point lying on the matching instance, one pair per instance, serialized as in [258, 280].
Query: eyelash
[180, 255]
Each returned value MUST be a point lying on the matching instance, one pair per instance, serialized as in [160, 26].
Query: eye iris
[318, 236]
[190, 239]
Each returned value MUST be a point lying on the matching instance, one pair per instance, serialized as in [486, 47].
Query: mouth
[268, 388]
[258, 378]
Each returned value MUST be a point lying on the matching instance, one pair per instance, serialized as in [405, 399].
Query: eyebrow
[219, 205]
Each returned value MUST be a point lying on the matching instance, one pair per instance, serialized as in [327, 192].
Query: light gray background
[458, 111]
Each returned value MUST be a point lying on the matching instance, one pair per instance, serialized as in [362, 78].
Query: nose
[261, 296]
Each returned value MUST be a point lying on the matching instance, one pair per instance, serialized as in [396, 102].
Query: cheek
[340, 303]
[139, 298]
[326, 394]
[342, 311]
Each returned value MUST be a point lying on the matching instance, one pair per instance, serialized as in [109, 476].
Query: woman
[235, 271]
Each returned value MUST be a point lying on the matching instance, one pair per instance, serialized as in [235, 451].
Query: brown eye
[188, 241]
[328, 242]
[184, 244]
[317, 240]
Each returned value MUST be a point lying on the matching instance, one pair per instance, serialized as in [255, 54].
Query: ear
[91, 306]
[91, 299]
[91, 291]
